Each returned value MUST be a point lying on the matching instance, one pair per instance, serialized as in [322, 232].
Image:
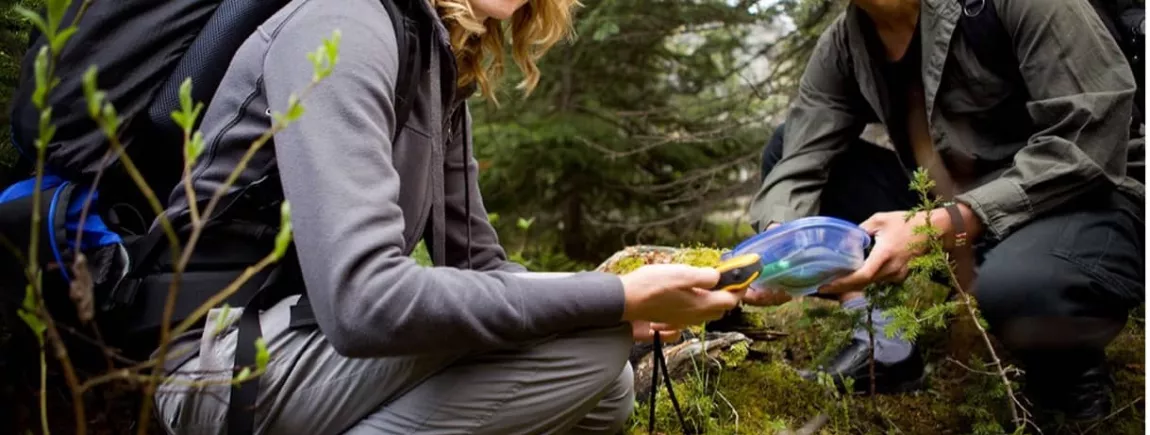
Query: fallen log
[684, 358]
[811, 427]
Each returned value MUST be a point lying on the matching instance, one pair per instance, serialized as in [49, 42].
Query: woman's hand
[675, 294]
[766, 297]
[644, 331]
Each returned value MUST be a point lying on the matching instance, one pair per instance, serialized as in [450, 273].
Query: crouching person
[473, 345]
[1030, 155]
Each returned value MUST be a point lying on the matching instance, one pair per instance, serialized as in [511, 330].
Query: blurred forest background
[647, 127]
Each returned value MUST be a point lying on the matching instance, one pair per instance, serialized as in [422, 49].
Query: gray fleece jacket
[361, 202]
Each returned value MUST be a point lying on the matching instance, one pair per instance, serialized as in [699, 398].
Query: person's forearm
[1080, 127]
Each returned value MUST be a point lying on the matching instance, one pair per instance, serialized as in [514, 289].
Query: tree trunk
[574, 239]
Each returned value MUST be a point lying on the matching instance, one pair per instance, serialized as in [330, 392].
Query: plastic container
[802, 255]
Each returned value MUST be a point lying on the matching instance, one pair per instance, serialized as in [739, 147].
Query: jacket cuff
[1001, 205]
[766, 214]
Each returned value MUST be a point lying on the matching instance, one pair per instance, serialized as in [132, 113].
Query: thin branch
[43, 389]
[108, 352]
[70, 377]
[1018, 413]
[971, 369]
[222, 296]
[734, 411]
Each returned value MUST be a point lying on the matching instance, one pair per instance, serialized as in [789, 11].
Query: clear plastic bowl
[802, 255]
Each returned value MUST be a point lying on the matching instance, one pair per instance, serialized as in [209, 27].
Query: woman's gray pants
[578, 383]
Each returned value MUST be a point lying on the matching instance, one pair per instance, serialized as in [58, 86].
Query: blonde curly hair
[479, 45]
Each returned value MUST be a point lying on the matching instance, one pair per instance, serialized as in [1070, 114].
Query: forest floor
[757, 390]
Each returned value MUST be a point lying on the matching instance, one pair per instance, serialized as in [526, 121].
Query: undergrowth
[968, 389]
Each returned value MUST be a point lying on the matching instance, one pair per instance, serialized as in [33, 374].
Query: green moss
[697, 402]
[626, 265]
[764, 394]
[735, 355]
[700, 257]
[420, 254]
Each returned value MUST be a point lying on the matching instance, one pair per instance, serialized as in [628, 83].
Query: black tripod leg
[671, 390]
[658, 352]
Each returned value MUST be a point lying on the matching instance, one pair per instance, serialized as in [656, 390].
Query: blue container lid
[801, 255]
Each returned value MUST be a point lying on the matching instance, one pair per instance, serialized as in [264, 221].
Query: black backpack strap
[241, 407]
[244, 395]
[411, 59]
[986, 35]
[241, 404]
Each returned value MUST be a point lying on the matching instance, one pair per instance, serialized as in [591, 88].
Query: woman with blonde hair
[474, 344]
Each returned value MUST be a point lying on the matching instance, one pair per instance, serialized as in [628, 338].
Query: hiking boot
[1079, 394]
[853, 362]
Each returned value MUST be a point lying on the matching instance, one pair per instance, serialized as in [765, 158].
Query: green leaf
[189, 111]
[29, 302]
[47, 130]
[109, 120]
[316, 63]
[186, 95]
[56, 10]
[32, 16]
[29, 313]
[40, 72]
[94, 97]
[284, 237]
[194, 147]
[262, 356]
[221, 320]
[244, 374]
[524, 224]
[295, 109]
[324, 58]
[61, 39]
[179, 118]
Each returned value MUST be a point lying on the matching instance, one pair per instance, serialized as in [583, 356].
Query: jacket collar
[937, 22]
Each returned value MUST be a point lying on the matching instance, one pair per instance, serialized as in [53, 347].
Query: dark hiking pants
[1056, 291]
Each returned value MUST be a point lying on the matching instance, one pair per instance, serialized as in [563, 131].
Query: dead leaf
[81, 289]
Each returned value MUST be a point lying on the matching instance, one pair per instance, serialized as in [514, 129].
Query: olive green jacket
[1020, 158]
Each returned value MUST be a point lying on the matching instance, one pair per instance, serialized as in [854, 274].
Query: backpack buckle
[972, 8]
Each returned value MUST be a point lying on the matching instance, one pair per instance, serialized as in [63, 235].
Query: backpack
[1125, 21]
[144, 50]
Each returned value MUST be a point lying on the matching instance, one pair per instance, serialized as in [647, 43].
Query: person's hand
[766, 297]
[675, 294]
[895, 243]
[644, 331]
